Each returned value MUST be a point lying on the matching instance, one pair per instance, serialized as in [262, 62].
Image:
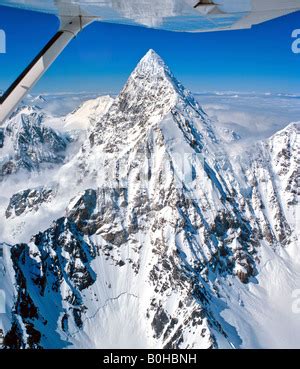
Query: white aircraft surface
[171, 15]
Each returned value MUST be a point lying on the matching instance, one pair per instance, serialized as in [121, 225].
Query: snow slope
[87, 113]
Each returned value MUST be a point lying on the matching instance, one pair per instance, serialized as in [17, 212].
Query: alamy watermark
[296, 43]
[2, 42]
[118, 174]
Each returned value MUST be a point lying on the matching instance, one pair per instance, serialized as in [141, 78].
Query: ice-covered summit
[149, 95]
[152, 74]
[152, 64]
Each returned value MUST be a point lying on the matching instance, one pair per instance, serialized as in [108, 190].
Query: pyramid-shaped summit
[152, 56]
[152, 63]
[153, 86]
[150, 94]
[152, 67]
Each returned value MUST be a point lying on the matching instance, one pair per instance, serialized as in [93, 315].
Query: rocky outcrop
[29, 200]
[30, 145]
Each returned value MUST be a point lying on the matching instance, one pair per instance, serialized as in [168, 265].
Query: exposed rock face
[55, 265]
[28, 200]
[140, 256]
[28, 144]
[273, 176]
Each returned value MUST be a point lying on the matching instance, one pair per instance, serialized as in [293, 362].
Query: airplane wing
[172, 15]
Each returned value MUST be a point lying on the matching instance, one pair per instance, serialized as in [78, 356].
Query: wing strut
[69, 29]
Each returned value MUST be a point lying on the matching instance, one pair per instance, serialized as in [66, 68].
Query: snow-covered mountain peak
[152, 76]
[291, 129]
[152, 64]
[25, 110]
[151, 94]
[27, 143]
[283, 144]
[39, 99]
[152, 70]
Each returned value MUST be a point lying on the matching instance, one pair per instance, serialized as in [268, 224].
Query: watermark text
[2, 42]
[296, 43]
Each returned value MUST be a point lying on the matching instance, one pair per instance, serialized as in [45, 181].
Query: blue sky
[101, 58]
